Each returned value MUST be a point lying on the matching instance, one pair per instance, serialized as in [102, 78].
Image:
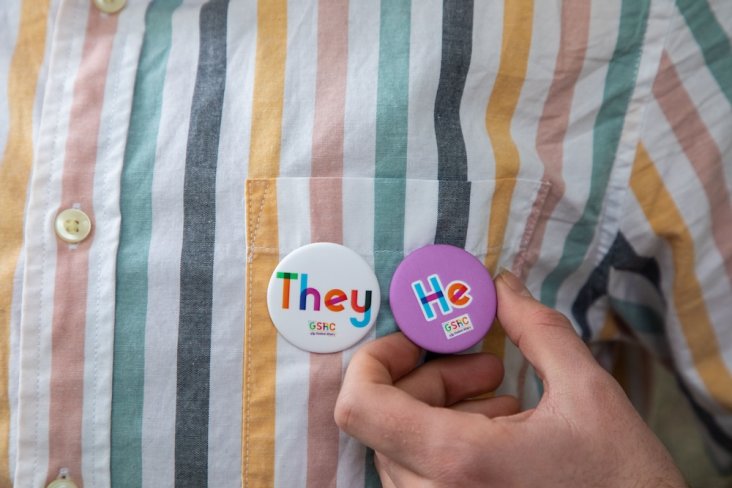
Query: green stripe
[640, 318]
[391, 148]
[619, 84]
[392, 101]
[134, 244]
[712, 40]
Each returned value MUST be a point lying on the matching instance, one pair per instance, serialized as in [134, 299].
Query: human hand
[426, 430]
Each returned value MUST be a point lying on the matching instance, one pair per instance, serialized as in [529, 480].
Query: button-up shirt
[584, 145]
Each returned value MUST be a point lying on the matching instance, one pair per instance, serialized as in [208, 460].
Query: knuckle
[548, 317]
[345, 411]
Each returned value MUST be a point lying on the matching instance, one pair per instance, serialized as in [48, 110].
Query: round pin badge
[443, 298]
[323, 297]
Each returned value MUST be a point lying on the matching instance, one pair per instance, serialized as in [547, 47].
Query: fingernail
[512, 281]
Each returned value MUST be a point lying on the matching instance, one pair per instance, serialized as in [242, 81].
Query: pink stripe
[326, 214]
[69, 314]
[555, 120]
[325, 382]
[701, 150]
[330, 101]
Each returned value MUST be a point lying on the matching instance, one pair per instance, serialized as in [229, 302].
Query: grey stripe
[452, 171]
[196, 288]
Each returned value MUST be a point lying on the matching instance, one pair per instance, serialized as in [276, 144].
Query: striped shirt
[585, 145]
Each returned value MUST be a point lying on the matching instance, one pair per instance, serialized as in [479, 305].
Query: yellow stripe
[14, 172]
[269, 87]
[667, 222]
[515, 46]
[260, 338]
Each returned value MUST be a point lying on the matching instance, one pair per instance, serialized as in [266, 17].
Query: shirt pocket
[382, 220]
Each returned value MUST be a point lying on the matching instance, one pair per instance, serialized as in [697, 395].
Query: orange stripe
[69, 314]
[260, 337]
[515, 46]
[667, 222]
[15, 170]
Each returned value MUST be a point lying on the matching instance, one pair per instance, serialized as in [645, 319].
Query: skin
[426, 430]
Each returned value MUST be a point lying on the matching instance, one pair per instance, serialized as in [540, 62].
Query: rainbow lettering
[457, 326]
[458, 296]
[334, 300]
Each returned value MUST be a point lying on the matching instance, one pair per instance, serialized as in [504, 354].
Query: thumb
[544, 336]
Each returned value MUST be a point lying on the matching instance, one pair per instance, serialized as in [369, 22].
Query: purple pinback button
[443, 298]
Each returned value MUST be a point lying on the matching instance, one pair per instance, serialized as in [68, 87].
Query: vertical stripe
[619, 85]
[15, 168]
[269, 86]
[701, 150]
[326, 223]
[688, 297]
[392, 100]
[260, 344]
[325, 382]
[330, 97]
[360, 112]
[554, 120]
[359, 161]
[227, 333]
[300, 78]
[69, 320]
[163, 270]
[425, 53]
[515, 45]
[712, 40]
[452, 171]
[134, 245]
[8, 37]
[392, 103]
[196, 274]
[100, 312]
[485, 59]
[292, 365]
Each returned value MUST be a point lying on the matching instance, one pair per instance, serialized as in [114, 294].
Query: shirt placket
[72, 230]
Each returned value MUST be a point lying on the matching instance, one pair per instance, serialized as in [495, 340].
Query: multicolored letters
[334, 300]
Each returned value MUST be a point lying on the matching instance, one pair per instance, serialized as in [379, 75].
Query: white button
[73, 225]
[62, 483]
[323, 297]
[110, 6]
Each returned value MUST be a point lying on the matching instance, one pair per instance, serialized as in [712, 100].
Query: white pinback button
[323, 297]
[110, 6]
[72, 225]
